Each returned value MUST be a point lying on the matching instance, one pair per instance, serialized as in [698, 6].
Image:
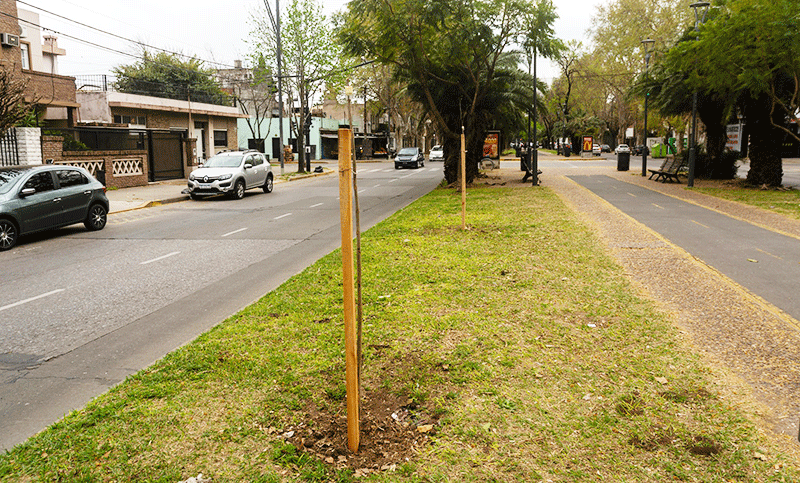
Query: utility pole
[280, 80]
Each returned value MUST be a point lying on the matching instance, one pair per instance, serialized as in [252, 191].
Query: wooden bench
[668, 170]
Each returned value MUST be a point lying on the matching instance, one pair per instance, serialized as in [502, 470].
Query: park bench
[668, 170]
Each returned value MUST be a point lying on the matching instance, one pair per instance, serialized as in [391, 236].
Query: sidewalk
[163, 192]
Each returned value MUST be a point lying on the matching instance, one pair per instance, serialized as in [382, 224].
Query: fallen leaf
[425, 428]
[759, 456]
[662, 380]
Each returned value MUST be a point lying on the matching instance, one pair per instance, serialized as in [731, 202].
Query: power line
[112, 35]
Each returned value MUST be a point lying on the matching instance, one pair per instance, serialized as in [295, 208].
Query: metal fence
[9, 150]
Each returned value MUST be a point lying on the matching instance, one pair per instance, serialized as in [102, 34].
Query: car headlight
[224, 177]
[191, 177]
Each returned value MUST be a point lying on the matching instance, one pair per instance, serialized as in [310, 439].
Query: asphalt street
[765, 262]
[80, 311]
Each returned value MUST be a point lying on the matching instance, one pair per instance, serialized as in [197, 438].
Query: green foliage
[13, 108]
[457, 60]
[168, 75]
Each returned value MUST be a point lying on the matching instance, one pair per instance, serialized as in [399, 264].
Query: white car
[437, 153]
[622, 148]
[596, 149]
[231, 173]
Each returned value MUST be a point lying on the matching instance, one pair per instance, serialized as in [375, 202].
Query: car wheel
[238, 190]
[8, 235]
[396, 166]
[267, 184]
[97, 217]
[423, 162]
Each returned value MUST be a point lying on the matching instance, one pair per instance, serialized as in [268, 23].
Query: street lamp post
[698, 19]
[647, 44]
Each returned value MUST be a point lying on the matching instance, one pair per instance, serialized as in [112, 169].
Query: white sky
[211, 30]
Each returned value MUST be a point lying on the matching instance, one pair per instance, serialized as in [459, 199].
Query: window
[132, 120]
[70, 177]
[25, 48]
[220, 138]
[40, 182]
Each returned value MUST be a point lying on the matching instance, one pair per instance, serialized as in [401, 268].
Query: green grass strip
[521, 334]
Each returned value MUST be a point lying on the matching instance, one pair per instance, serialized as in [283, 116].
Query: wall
[123, 169]
[29, 145]
[10, 57]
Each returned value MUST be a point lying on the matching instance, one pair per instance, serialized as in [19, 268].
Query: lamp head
[348, 91]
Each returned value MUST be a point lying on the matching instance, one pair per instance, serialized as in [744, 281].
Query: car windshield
[226, 161]
[8, 177]
[407, 152]
[436, 148]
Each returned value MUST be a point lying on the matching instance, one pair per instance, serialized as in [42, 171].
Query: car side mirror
[248, 166]
[27, 192]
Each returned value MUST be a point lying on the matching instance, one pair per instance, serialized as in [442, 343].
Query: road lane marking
[282, 216]
[698, 223]
[659, 207]
[234, 232]
[631, 194]
[410, 174]
[160, 258]
[361, 191]
[21, 302]
[392, 180]
[377, 185]
[768, 253]
[318, 204]
[374, 170]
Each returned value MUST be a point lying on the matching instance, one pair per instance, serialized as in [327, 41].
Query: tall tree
[452, 55]
[311, 57]
[255, 94]
[171, 76]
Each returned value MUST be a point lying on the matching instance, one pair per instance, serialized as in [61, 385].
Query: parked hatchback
[437, 153]
[410, 157]
[622, 148]
[231, 173]
[43, 197]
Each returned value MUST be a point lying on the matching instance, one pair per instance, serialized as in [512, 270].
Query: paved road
[80, 311]
[765, 262]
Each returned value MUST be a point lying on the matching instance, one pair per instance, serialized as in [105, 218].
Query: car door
[42, 208]
[73, 188]
[250, 173]
[260, 170]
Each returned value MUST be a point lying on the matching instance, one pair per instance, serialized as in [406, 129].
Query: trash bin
[623, 161]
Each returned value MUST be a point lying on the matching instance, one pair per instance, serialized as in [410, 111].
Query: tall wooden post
[350, 336]
[463, 181]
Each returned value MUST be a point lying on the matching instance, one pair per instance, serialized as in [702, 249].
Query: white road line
[392, 180]
[387, 170]
[318, 204]
[282, 216]
[234, 232]
[410, 174]
[631, 194]
[434, 169]
[660, 207]
[377, 186]
[160, 258]
[361, 191]
[373, 170]
[21, 302]
[698, 223]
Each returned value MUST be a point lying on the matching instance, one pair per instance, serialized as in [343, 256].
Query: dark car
[637, 150]
[43, 197]
[409, 157]
[605, 148]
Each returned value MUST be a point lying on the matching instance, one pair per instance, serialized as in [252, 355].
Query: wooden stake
[463, 181]
[351, 351]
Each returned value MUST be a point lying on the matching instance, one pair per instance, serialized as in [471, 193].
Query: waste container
[623, 161]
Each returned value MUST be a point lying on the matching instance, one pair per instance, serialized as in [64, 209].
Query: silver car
[437, 153]
[231, 173]
[42, 197]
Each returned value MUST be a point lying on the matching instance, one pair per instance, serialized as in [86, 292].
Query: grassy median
[783, 201]
[513, 351]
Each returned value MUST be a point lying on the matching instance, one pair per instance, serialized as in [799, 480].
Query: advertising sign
[491, 145]
[587, 144]
[734, 142]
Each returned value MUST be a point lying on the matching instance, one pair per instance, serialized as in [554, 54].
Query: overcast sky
[214, 31]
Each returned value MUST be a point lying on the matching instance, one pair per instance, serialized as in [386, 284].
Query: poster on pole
[588, 141]
[491, 145]
[734, 142]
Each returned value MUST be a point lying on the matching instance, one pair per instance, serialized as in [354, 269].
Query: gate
[166, 155]
[9, 152]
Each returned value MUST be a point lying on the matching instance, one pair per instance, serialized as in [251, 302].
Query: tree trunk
[766, 165]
